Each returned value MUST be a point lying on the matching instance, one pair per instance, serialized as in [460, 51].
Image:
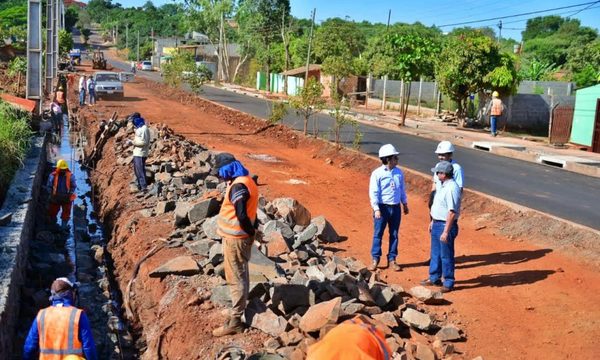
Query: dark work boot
[233, 326]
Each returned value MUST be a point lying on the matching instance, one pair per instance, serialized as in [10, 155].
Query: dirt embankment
[505, 284]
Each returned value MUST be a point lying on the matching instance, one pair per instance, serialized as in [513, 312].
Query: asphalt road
[561, 193]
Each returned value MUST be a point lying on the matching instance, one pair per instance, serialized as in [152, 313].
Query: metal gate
[562, 119]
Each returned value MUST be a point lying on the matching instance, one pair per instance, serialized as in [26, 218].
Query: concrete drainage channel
[76, 252]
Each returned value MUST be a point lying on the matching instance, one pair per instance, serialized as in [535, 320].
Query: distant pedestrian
[91, 88]
[56, 112]
[237, 227]
[443, 228]
[387, 195]
[61, 330]
[62, 187]
[141, 146]
[496, 109]
[82, 89]
[133, 66]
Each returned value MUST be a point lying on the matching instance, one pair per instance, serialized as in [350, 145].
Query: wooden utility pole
[127, 36]
[138, 46]
[220, 50]
[312, 25]
[389, 17]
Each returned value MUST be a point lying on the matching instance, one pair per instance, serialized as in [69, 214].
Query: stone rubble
[298, 290]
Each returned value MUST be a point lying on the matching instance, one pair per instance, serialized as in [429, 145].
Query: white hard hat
[444, 147]
[387, 150]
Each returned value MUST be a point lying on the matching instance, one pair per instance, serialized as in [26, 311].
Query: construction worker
[496, 108]
[354, 339]
[56, 111]
[91, 88]
[82, 89]
[141, 145]
[62, 187]
[236, 225]
[443, 228]
[60, 331]
[387, 194]
[444, 152]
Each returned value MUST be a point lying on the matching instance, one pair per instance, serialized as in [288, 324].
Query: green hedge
[15, 133]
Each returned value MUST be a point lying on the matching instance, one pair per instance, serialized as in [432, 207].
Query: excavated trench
[77, 253]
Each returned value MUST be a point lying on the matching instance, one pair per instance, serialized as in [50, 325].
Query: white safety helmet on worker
[444, 147]
[387, 150]
[495, 94]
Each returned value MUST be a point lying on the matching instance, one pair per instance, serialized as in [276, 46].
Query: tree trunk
[305, 124]
[18, 83]
[405, 105]
[237, 68]
[268, 69]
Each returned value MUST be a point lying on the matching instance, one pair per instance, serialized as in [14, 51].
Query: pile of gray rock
[299, 290]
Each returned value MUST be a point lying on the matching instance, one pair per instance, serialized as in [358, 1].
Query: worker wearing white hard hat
[387, 195]
[444, 152]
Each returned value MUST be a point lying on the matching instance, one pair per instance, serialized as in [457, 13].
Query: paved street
[557, 192]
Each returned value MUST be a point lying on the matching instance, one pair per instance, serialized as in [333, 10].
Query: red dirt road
[514, 300]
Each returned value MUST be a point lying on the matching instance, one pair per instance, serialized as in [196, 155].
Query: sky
[438, 12]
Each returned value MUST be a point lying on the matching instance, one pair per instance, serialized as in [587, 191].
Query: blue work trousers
[81, 97]
[390, 217]
[139, 167]
[92, 97]
[493, 122]
[442, 254]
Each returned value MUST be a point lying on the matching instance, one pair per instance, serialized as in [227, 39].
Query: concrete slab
[490, 145]
[563, 160]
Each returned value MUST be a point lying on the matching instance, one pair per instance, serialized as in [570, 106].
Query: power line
[523, 14]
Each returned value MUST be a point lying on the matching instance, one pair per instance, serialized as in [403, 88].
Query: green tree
[65, 42]
[71, 17]
[541, 27]
[463, 65]
[18, 67]
[339, 113]
[309, 101]
[583, 62]
[278, 112]
[536, 70]
[183, 68]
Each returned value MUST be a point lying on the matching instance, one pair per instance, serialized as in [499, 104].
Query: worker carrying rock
[354, 339]
[62, 187]
[237, 226]
[60, 331]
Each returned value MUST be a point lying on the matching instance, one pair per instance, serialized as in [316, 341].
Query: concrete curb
[21, 201]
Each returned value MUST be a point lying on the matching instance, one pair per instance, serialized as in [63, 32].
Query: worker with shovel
[236, 225]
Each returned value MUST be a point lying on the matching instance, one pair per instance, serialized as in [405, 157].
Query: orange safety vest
[55, 184]
[496, 107]
[228, 223]
[58, 329]
[354, 339]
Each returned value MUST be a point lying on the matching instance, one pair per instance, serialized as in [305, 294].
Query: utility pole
[220, 50]
[389, 17]
[499, 31]
[127, 35]
[312, 25]
[138, 46]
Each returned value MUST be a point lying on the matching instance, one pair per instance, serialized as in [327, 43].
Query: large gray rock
[426, 295]
[290, 210]
[221, 295]
[164, 207]
[181, 211]
[325, 231]
[269, 323]
[202, 210]
[320, 315]
[210, 228]
[215, 254]
[387, 318]
[181, 265]
[200, 247]
[449, 333]
[307, 234]
[276, 243]
[292, 296]
[416, 319]
[424, 352]
[261, 264]
[314, 273]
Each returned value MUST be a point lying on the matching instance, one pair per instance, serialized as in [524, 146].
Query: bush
[14, 142]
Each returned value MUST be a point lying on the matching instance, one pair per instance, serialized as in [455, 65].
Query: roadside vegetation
[15, 133]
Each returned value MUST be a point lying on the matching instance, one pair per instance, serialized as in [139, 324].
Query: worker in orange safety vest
[62, 187]
[60, 331]
[354, 339]
[237, 226]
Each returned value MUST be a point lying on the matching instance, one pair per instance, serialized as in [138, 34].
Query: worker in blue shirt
[444, 213]
[387, 194]
[53, 330]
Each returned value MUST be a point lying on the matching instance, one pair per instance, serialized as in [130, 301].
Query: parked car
[108, 83]
[146, 65]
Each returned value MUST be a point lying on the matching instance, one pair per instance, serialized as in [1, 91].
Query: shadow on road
[505, 257]
[506, 279]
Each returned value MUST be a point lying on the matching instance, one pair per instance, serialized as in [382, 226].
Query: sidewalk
[522, 148]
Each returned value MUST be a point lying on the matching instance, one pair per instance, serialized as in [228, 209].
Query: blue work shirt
[32, 343]
[61, 187]
[458, 176]
[446, 198]
[386, 187]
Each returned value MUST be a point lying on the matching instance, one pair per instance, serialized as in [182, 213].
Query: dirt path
[514, 300]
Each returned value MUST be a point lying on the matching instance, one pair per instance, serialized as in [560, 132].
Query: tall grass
[15, 134]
